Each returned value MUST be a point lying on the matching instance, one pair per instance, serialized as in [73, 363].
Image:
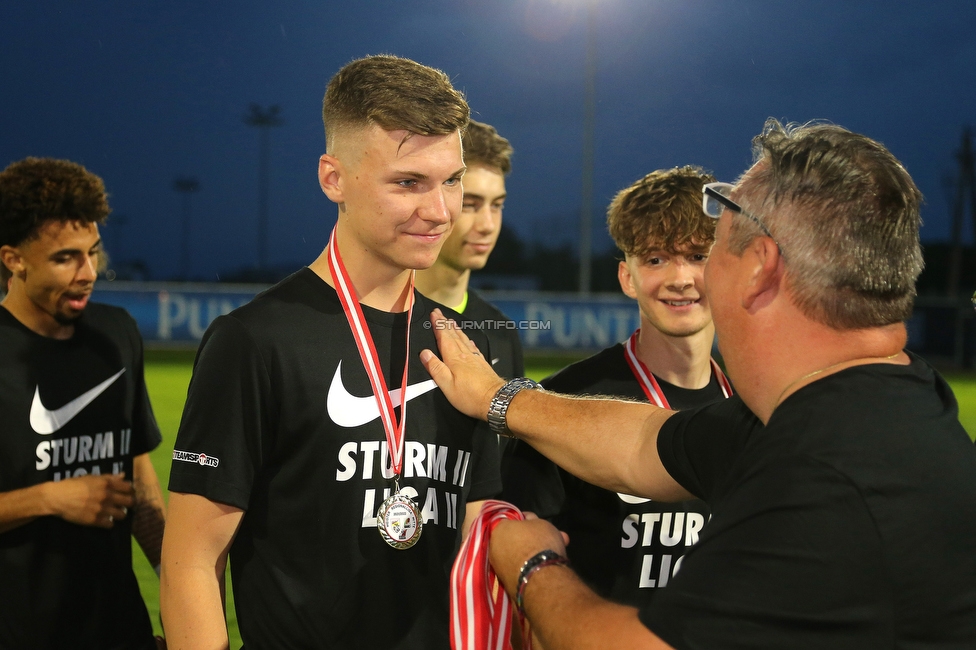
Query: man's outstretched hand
[462, 373]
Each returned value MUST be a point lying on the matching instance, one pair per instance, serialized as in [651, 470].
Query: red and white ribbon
[481, 613]
[647, 381]
[367, 352]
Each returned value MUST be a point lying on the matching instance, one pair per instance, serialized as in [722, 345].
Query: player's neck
[444, 284]
[683, 361]
[32, 317]
[378, 285]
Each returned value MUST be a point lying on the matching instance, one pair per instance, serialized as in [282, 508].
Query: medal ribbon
[649, 383]
[367, 352]
[481, 612]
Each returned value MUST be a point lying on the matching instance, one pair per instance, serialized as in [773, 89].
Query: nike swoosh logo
[632, 500]
[46, 422]
[349, 411]
[495, 360]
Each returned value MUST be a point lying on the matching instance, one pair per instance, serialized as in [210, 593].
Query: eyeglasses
[715, 199]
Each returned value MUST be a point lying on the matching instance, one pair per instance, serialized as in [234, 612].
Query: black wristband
[538, 561]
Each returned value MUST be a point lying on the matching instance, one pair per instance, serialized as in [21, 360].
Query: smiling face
[476, 231]
[669, 287]
[53, 276]
[398, 194]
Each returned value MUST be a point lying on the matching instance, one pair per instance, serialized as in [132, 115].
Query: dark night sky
[144, 92]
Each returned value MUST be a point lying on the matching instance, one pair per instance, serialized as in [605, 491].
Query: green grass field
[168, 375]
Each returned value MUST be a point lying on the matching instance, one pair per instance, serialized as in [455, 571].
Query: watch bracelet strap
[498, 408]
[538, 561]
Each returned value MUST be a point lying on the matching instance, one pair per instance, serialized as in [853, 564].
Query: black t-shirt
[847, 522]
[624, 547]
[70, 408]
[506, 346]
[281, 412]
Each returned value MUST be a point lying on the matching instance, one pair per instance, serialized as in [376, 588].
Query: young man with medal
[627, 547]
[314, 447]
[487, 156]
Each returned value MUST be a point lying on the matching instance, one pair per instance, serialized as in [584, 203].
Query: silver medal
[399, 521]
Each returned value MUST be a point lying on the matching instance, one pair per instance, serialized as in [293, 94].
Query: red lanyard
[481, 613]
[367, 352]
[649, 383]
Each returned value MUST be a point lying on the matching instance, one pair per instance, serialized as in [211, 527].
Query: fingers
[120, 499]
[117, 483]
[109, 499]
[110, 515]
[450, 338]
[435, 367]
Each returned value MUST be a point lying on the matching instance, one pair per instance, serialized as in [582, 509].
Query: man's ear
[12, 259]
[626, 280]
[766, 275]
[329, 173]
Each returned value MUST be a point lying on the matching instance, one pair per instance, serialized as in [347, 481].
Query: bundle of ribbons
[481, 612]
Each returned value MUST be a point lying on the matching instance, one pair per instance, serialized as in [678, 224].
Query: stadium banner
[177, 314]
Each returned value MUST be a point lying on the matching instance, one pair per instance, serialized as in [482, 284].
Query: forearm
[198, 537]
[148, 511]
[609, 443]
[192, 606]
[565, 614]
[19, 507]
[471, 511]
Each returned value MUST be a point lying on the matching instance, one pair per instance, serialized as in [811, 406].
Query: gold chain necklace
[779, 400]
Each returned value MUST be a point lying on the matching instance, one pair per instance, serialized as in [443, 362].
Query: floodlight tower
[965, 187]
[264, 119]
[185, 185]
[589, 144]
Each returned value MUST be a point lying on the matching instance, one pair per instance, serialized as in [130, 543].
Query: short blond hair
[395, 94]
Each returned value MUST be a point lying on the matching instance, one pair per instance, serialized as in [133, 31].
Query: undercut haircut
[662, 211]
[395, 94]
[846, 215]
[483, 146]
[35, 191]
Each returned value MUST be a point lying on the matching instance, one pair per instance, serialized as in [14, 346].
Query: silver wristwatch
[498, 410]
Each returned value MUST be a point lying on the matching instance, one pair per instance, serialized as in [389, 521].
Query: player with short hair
[76, 422]
[487, 157]
[624, 546]
[342, 509]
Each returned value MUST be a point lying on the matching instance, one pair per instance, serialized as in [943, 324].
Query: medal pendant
[399, 521]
